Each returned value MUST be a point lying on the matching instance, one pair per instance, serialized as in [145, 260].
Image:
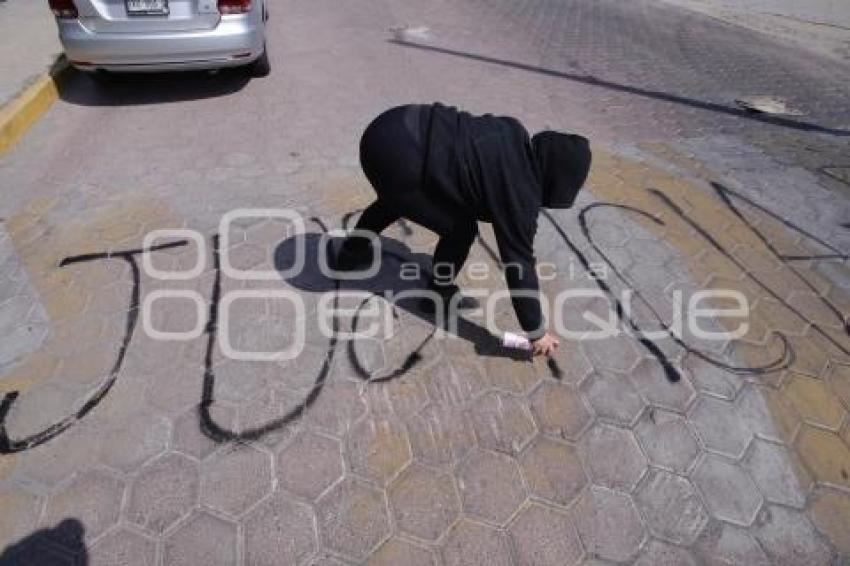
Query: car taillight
[63, 8]
[234, 6]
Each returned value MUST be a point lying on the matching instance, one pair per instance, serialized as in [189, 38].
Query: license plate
[146, 7]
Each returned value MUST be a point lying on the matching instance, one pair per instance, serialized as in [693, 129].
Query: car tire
[261, 66]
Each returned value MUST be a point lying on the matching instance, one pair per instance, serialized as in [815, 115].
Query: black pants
[392, 154]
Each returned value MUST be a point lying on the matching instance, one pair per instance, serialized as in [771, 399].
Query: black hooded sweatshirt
[489, 169]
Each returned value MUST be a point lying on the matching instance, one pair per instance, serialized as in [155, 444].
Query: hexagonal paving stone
[491, 486]
[165, 490]
[567, 365]
[543, 536]
[123, 547]
[651, 255]
[187, 436]
[352, 518]
[553, 470]
[613, 458]
[377, 449]
[502, 423]
[326, 560]
[671, 506]
[838, 377]
[609, 524]
[722, 543]
[406, 396]
[616, 353]
[830, 512]
[667, 439]
[174, 396]
[239, 381]
[608, 234]
[93, 498]
[711, 378]
[440, 435]
[129, 444]
[767, 413]
[54, 462]
[657, 553]
[235, 479]
[652, 383]
[20, 513]
[398, 551]
[560, 411]
[203, 539]
[424, 502]
[371, 357]
[825, 455]
[613, 397]
[270, 406]
[812, 306]
[464, 380]
[814, 401]
[728, 490]
[778, 473]
[720, 426]
[467, 539]
[279, 531]
[338, 406]
[309, 465]
[517, 377]
[788, 537]
[40, 407]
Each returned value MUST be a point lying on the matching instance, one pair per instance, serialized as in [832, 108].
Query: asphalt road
[619, 72]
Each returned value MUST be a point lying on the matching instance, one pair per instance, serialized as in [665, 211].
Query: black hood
[563, 161]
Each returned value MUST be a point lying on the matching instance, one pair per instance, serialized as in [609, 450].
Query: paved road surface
[30, 44]
[821, 25]
[463, 456]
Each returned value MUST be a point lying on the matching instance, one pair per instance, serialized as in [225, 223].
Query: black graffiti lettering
[209, 427]
[670, 371]
[782, 361]
[726, 195]
[757, 280]
[9, 445]
[219, 433]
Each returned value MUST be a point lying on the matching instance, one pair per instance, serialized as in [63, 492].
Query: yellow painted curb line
[25, 109]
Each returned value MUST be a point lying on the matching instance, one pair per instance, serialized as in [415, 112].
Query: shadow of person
[49, 546]
[141, 89]
[404, 286]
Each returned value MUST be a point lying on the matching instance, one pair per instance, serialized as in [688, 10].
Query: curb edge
[30, 104]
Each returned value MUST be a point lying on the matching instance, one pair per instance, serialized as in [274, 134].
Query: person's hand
[545, 345]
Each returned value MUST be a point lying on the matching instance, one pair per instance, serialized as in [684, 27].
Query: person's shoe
[446, 293]
[351, 257]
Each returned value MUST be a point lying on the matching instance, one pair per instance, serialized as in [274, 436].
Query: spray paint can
[516, 342]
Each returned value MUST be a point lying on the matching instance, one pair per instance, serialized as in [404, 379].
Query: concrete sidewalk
[822, 26]
[30, 44]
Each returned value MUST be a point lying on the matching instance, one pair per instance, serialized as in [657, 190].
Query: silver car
[162, 35]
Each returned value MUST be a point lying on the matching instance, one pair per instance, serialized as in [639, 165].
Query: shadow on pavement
[139, 89]
[49, 546]
[388, 281]
[629, 89]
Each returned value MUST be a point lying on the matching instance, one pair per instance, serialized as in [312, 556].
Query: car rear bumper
[237, 40]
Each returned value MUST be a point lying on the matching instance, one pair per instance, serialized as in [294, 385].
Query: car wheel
[261, 66]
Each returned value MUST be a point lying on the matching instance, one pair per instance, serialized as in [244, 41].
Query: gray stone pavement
[820, 25]
[354, 452]
[30, 44]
